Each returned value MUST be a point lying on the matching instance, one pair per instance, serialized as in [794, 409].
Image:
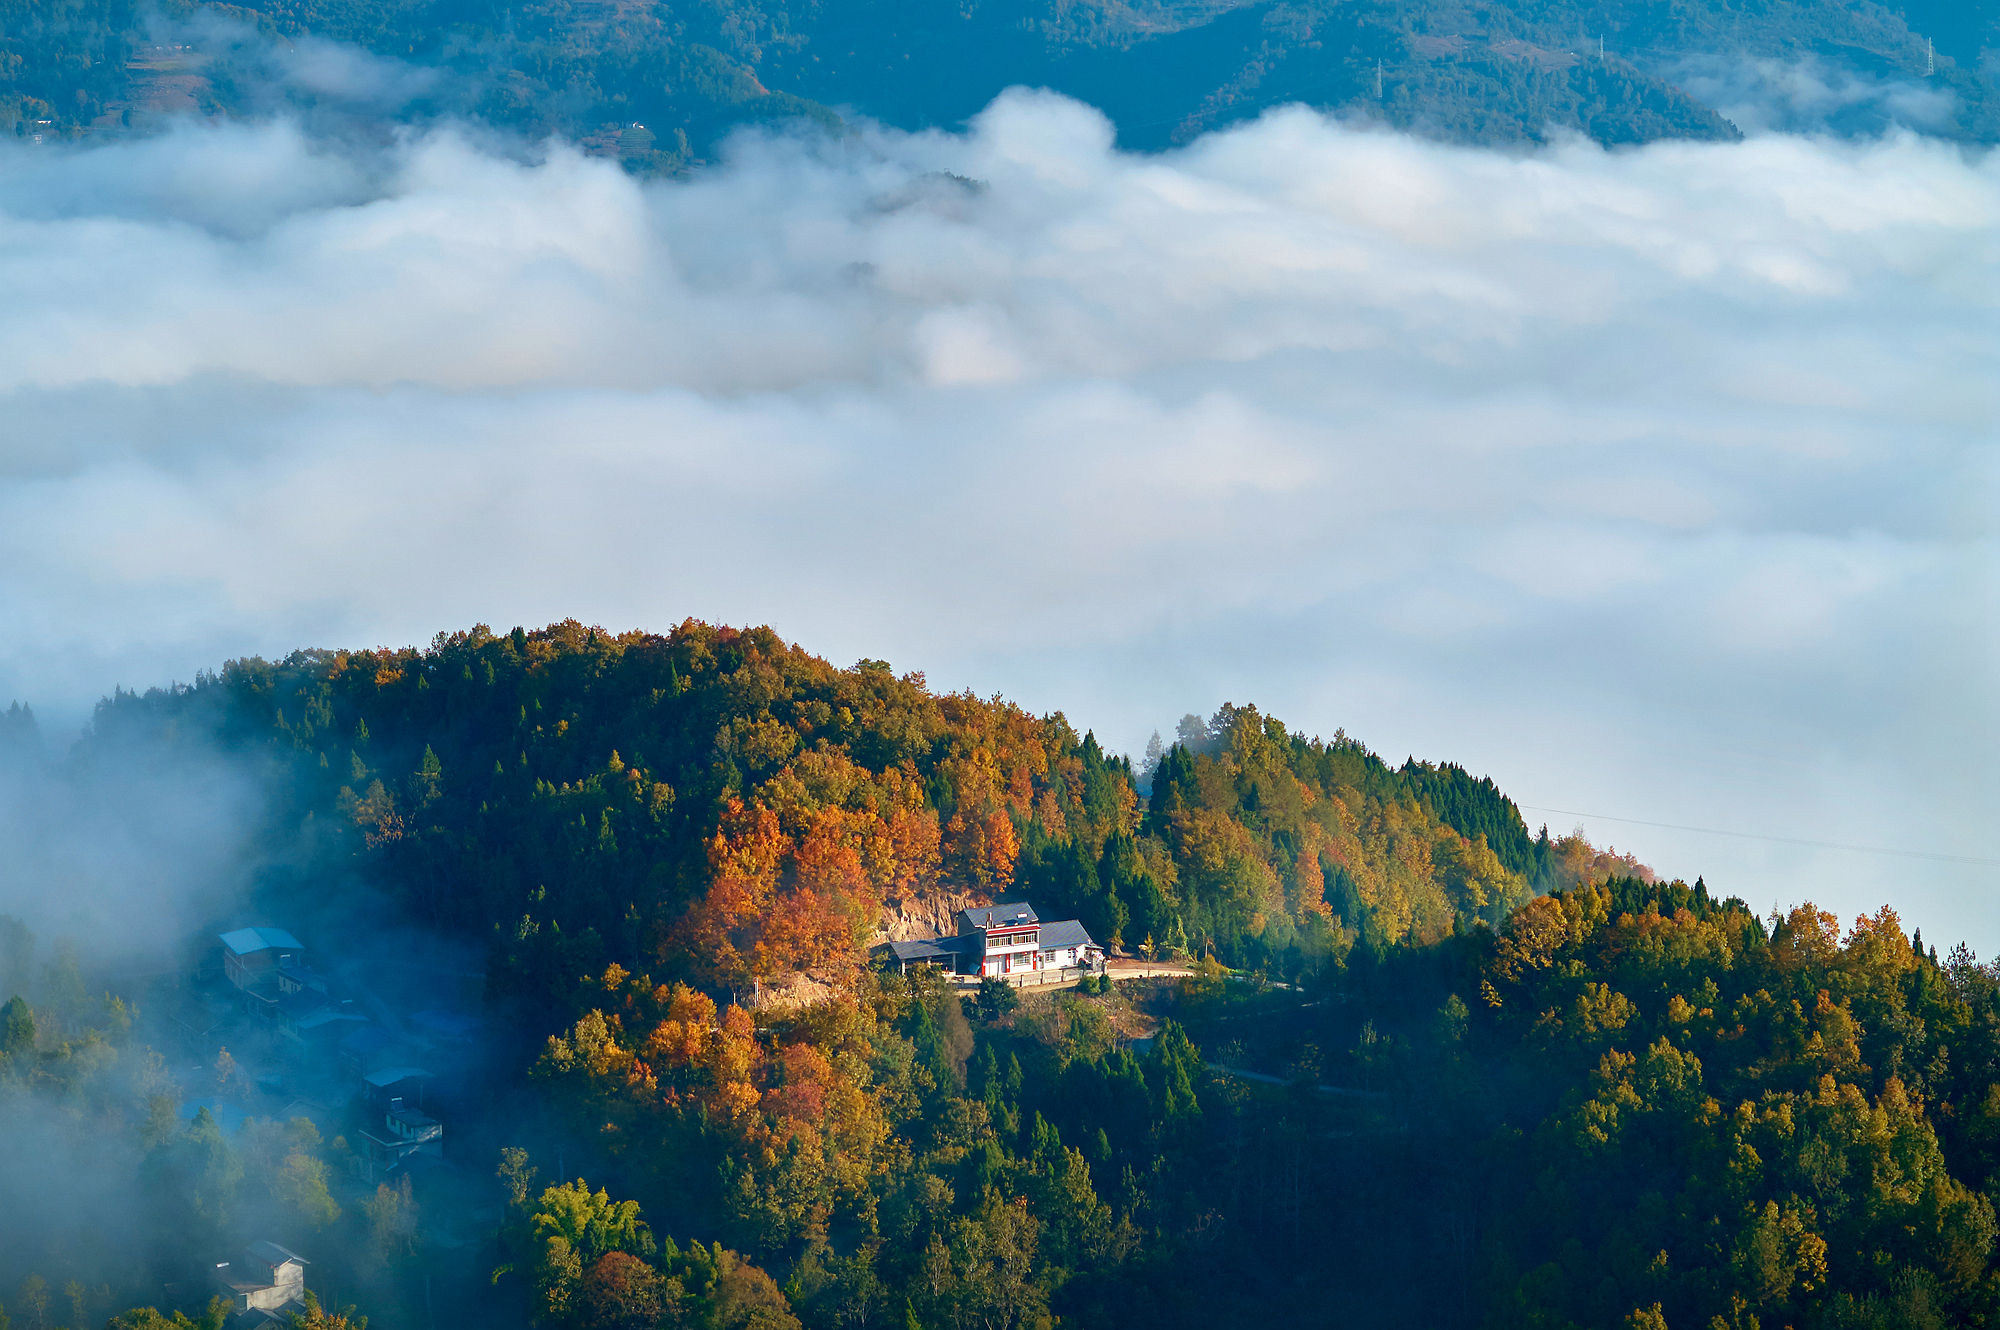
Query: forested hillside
[722, 803]
[1633, 1106]
[1421, 1067]
[655, 83]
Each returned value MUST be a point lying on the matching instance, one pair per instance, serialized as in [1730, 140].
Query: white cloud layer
[1656, 483]
[1810, 95]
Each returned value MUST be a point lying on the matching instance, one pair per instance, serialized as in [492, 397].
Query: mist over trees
[1411, 1063]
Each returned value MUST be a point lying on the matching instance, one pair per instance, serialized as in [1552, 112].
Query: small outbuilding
[941, 953]
[264, 1284]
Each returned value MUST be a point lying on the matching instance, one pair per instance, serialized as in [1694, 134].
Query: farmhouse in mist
[254, 958]
[288, 1024]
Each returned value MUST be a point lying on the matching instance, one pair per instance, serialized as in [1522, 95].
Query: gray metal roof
[271, 1254]
[925, 949]
[1065, 933]
[246, 940]
[1001, 914]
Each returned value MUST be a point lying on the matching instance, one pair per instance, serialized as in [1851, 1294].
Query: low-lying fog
[1656, 483]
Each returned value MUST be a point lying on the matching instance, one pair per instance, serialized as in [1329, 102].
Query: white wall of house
[1011, 951]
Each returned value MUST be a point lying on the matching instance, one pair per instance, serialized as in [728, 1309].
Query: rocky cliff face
[922, 916]
[928, 915]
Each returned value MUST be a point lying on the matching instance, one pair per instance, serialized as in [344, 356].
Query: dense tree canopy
[722, 805]
[1417, 1066]
[1630, 1105]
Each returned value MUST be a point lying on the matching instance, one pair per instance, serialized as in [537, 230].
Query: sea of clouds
[1657, 483]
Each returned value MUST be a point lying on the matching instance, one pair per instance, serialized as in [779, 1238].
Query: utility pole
[1930, 57]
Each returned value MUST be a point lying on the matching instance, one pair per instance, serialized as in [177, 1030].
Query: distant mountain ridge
[656, 83]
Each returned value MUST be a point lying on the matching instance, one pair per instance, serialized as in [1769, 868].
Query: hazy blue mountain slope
[656, 82]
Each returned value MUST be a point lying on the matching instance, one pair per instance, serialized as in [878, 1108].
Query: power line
[1783, 840]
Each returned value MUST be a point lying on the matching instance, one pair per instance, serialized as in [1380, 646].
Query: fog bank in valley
[1656, 483]
[122, 851]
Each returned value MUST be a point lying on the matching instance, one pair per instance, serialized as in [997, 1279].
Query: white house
[266, 1281]
[1003, 939]
[1009, 938]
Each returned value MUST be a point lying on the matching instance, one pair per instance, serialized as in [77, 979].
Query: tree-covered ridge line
[1631, 1105]
[1805, 1120]
[722, 806]
[657, 84]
